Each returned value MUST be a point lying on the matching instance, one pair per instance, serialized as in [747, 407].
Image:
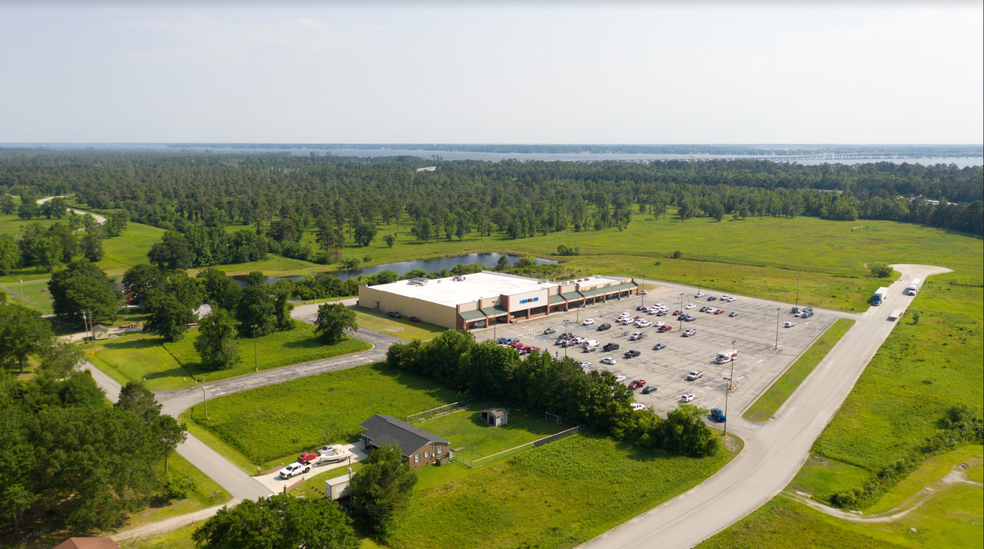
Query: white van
[590, 345]
[725, 356]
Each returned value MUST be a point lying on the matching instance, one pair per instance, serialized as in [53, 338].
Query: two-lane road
[773, 451]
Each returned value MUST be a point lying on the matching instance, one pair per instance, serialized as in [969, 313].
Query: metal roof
[494, 311]
[472, 315]
[572, 296]
[556, 299]
[381, 429]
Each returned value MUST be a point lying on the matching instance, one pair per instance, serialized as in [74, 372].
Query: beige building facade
[478, 300]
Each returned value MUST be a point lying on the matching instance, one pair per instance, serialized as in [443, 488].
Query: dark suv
[610, 347]
[632, 354]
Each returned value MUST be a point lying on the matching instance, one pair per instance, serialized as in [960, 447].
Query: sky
[505, 72]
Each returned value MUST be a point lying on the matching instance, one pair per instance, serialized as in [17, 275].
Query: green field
[270, 424]
[558, 495]
[474, 439]
[164, 366]
[396, 327]
[767, 404]
[951, 517]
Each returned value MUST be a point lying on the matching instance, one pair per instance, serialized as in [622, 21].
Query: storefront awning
[494, 311]
[472, 315]
[572, 296]
[554, 299]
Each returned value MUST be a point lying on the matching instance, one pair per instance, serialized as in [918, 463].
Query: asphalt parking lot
[753, 332]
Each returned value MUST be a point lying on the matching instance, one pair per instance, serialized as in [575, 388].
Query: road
[230, 477]
[99, 219]
[774, 451]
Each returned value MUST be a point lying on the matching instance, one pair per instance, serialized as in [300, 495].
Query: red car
[662, 329]
[719, 312]
[307, 457]
[414, 319]
[637, 384]
[677, 313]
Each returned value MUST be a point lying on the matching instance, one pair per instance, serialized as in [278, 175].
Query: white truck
[725, 356]
[880, 295]
[913, 288]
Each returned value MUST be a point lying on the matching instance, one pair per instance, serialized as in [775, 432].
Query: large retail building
[480, 299]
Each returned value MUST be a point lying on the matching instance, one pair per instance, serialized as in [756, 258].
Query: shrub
[880, 270]
[178, 487]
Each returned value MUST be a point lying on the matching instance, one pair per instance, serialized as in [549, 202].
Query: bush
[880, 270]
[178, 487]
[677, 254]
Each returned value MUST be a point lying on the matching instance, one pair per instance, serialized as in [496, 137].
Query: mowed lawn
[558, 495]
[269, 424]
[473, 438]
[164, 366]
[396, 327]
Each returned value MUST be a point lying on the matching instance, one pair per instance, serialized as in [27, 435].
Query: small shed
[100, 332]
[203, 311]
[496, 417]
[87, 543]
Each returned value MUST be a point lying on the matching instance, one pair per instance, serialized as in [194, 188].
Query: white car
[643, 292]
[789, 325]
[625, 315]
[659, 324]
[295, 468]
[690, 306]
[587, 321]
[689, 397]
[637, 406]
[585, 364]
[700, 295]
[725, 297]
[608, 360]
[731, 299]
[619, 378]
[689, 332]
[643, 323]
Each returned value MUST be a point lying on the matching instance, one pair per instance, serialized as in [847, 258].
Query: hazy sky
[385, 72]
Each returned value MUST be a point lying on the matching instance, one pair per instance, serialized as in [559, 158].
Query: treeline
[345, 200]
[541, 382]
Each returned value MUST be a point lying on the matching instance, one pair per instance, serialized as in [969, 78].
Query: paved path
[99, 219]
[774, 451]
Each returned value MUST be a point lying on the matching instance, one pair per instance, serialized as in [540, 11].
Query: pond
[430, 265]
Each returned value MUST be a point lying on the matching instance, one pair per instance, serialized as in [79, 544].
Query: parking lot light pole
[777, 328]
[797, 294]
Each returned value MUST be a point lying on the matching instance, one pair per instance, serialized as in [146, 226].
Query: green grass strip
[768, 403]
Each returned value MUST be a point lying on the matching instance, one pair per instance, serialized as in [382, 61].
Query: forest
[197, 195]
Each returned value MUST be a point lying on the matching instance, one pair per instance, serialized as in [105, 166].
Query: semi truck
[880, 294]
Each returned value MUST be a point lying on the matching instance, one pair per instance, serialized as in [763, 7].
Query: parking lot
[753, 333]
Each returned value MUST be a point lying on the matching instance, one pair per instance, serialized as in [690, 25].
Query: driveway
[774, 451]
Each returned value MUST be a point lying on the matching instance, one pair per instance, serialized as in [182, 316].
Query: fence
[499, 456]
[440, 411]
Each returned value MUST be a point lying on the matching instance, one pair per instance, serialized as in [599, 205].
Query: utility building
[477, 300]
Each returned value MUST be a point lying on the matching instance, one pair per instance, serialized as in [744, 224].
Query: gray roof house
[418, 446]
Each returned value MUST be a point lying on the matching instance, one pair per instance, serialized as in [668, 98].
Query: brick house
[418, 446]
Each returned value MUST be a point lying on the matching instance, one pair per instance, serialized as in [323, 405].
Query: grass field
[270, 424]
[396, 327]
[767, 404]
[164, 366]
[951, 518]
[557, 495]
[474, 439]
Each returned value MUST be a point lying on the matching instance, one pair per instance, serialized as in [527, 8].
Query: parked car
[608, 360]
[704, 309]
[717, 414]
[619, 378]
[731, 299]
[294, 469]
[733, 314]
[649, 389]
[690, 306]
[394, 314]
[636, 336]
[605, 326]
[549, 331]
[789, 325]
[414, 319]
[637, 384]
[677, 312]
[719, 312]
[643, 292]
[663, 329]
[307, 457]
[689, 318]
[632, 353]
[638, 406]
[610, 347]
[587, 321]
[712, 298]
[699, 295]
[689, 397]
[689, 332]
[659, 346]
[694, 376]
[585, 364]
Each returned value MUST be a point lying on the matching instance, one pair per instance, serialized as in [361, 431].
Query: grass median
[776, 395]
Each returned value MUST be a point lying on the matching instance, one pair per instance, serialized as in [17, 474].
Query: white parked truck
[725, 356]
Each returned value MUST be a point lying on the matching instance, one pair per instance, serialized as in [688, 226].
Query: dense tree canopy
[79, 288]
